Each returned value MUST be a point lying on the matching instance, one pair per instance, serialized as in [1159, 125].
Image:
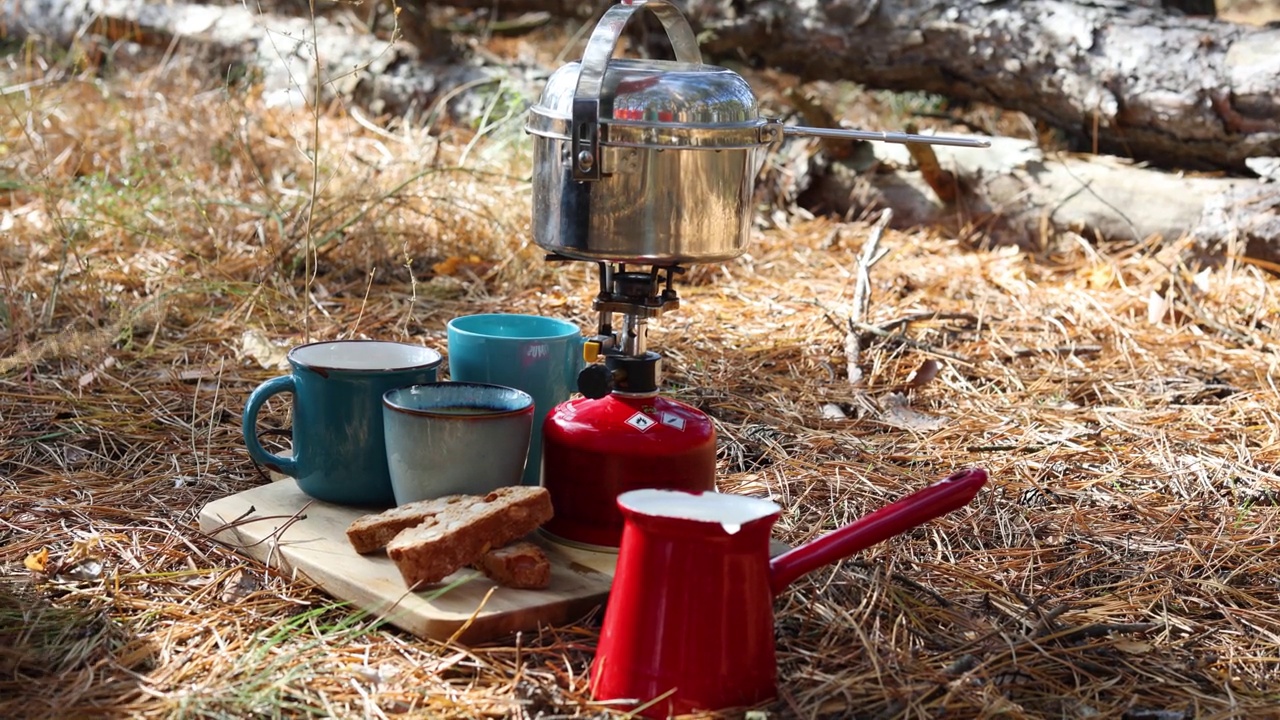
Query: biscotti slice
[372, 532]
[458, 536]
[520, 565]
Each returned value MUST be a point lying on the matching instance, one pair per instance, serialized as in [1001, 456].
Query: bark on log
[1141, 82]
[382, 76]
[1013, 193]
[1174, 91]
[1207, 8]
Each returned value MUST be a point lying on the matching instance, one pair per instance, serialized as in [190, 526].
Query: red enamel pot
[689, 624]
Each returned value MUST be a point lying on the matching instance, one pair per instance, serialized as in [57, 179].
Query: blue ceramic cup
[455, 438]
[339, 452]
[539, 355]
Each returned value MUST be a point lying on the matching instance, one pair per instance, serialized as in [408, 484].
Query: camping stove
[622, 434]
[643, 167]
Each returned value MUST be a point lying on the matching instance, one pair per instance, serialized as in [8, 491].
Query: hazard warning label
[641, 422]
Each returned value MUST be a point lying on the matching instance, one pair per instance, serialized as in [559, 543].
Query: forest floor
[167, 236]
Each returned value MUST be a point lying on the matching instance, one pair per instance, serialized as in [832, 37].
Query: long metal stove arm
[889, 137]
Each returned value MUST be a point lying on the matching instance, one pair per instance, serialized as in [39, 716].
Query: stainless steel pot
[654, 161]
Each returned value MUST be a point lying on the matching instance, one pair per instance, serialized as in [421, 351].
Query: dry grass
[1124, 561]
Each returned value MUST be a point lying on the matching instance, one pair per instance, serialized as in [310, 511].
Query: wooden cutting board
[315, 546]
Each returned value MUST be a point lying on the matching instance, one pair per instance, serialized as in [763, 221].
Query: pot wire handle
[595, 60]
[889, 137]
[951, 493]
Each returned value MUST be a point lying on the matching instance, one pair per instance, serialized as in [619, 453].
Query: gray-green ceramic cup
[455, 438]
[339, 452]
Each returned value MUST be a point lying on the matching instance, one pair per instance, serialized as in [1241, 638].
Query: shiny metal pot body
[645, 161]
[653, 205]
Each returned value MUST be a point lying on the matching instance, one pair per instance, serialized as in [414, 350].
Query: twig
[365, 123]
[1004, 448]
[245, 521]
[1201, 316]
[1086, 186]
[1069, 350]
[909, 342]
[279, 532]
[904, 580]
[463, 628]
[942, 182]
[1098, 630]
[289, 521]
[240, 519]
[921, 316]
[867, 259]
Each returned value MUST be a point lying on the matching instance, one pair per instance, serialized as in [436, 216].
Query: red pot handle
[951, 493]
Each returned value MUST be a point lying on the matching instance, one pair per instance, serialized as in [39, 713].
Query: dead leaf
[255, 344]
[924, 374]
[375, 676]
[1157, 308]
[458, 265]
[1133, 647]
[753, 484]
[93, 374]
[897, 413]
[87, 569]
[238, 586]
[1268, 168]
[1200, 281]
[195, 375]
[1101, 277]
[832, 411]
[38, 560]
[87, 546]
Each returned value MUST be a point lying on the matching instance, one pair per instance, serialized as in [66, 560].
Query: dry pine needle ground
[1123, 562]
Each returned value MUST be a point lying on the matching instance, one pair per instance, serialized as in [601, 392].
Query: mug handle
[260, 394]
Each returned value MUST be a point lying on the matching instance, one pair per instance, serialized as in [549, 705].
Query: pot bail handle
[595, 60]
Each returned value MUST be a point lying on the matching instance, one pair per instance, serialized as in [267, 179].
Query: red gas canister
[595, 449]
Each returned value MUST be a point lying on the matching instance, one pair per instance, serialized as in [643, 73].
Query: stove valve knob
[595, 381]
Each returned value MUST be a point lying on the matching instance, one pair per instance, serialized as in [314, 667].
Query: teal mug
[339, 449]
[539, 355]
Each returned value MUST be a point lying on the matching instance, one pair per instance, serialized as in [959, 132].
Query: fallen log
[1171, 90]
[1014, 193]
[1115, 77]
[383, 76]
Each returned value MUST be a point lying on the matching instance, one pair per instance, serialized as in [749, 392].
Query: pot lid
[657, 92]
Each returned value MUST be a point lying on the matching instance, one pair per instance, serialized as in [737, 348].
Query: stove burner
[637, 295]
